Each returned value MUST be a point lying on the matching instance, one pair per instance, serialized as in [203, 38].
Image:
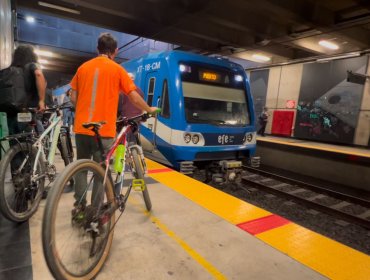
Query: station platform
[339, 164]
[361, 152]
[194, 232]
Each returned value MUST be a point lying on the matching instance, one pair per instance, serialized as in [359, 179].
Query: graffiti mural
[328, 105]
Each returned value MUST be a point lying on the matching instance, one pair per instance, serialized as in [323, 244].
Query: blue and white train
[207, 120]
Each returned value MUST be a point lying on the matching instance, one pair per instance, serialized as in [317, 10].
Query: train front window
[213, 104]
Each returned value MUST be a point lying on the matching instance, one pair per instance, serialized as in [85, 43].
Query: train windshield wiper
[211, 121]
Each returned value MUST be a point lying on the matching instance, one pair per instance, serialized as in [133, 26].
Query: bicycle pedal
[138, 185]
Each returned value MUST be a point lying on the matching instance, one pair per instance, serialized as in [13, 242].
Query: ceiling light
[44, 61]
[57, 7]
[261, 57]
[328, 45]
[354, 54]
[30, 19]
[44, 53]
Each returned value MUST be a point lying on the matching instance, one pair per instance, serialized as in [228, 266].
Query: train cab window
[165, 101]
[151, 91]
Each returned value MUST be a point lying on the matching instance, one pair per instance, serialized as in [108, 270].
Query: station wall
[326, 107]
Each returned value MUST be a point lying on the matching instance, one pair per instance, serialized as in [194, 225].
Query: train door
[151, 83]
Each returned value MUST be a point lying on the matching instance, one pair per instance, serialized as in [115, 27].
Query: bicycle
[76, 242]
[28, 162]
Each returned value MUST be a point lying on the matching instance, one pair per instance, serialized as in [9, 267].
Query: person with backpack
[21, 85]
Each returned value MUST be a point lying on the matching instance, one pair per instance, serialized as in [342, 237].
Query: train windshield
[214, 97]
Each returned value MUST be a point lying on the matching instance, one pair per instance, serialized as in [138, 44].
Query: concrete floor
[180, 240]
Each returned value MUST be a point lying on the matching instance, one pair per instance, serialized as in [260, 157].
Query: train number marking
[148, 67]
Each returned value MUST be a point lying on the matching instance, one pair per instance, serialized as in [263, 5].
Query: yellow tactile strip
[326, 256]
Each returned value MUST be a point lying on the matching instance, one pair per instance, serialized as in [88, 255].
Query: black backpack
[13, 95]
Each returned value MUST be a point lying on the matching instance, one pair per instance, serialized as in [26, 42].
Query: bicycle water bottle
[118, 161]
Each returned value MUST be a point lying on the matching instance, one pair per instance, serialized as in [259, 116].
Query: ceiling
[282, 30]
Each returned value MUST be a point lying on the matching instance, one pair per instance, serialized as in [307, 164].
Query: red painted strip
[159, 170]
[263, 224]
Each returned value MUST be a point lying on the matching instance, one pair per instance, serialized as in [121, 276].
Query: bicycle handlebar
[49, 110]
[139, 118]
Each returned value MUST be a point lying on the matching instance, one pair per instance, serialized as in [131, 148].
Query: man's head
[107, 45]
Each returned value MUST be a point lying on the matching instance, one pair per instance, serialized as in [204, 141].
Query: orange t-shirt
[98, 83]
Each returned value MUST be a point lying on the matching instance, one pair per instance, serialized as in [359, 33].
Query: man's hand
[41, 106]
[153, 110]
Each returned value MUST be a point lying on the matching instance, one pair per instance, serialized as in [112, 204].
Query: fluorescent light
[30, 19]
[328, 45]
[57, 7]
[261, 57]
[44, 61]
[354, 54]
[44, 53]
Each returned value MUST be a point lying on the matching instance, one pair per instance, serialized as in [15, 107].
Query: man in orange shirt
[95, 92]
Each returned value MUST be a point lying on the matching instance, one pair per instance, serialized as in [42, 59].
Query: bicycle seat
[93, 125]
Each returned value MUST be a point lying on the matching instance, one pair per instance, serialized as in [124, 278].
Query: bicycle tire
[65, 151]
[23, 191]
[49, 237]
[139, 174]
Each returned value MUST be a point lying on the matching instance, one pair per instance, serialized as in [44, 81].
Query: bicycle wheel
[65, 149]
[138, 171]
[19, 196]
[77, 234]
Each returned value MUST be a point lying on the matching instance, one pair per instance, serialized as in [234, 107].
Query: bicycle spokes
[83, 222]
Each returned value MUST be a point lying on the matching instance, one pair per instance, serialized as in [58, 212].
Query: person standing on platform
[263, 119]
[68, 112]
[95, 92]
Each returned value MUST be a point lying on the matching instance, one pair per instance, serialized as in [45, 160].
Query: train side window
[151, 91]
[165, 101]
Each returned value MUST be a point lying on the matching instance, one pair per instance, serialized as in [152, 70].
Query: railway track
[352, 209]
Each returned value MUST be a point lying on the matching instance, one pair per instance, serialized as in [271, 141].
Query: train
[207, 120]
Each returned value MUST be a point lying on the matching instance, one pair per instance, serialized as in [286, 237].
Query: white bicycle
[29, 162]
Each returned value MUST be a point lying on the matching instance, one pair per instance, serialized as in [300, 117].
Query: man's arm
[139, 102]
[73, 97]
[41, 88]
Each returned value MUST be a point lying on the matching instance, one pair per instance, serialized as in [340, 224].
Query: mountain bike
[28, 162]
[77, 232]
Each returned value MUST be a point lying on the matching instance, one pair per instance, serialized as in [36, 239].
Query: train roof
[188, 56]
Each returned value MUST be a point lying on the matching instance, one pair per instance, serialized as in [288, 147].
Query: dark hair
[23, 55]
[106, 44]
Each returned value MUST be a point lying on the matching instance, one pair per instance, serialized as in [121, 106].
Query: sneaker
[78, 213]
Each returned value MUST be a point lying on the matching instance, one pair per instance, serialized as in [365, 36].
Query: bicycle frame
[54, 130]
[122, 139]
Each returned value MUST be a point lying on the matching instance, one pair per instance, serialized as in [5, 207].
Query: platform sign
[290, 104]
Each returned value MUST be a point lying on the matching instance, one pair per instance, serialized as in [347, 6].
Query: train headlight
[187, 138]
[238, 78]
[185, 68]
[249, 137]
[195, 138]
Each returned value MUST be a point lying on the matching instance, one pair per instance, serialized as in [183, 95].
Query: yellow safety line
[326, 149]
[194, 254]
[318, 252]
